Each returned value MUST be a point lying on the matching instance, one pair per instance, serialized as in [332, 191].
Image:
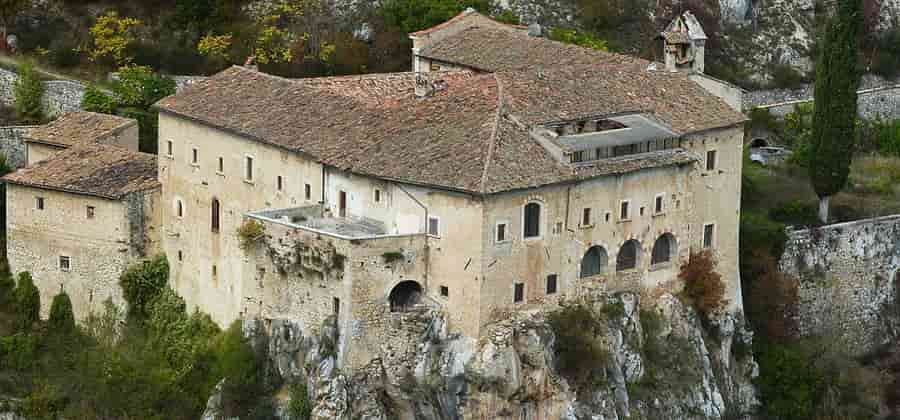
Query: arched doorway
[758, 142]
[594, 261]
[405, 295]
[628, 255]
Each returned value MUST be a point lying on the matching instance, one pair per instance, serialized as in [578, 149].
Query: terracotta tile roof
[492, 46]
[77, 128]
[98, 170]
[472, 136]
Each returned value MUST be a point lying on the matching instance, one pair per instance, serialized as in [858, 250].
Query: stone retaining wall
[848, 279]
[60, 96]
[878, 99]
[12, 145]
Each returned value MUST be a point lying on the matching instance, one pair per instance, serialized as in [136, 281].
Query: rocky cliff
[662, 362]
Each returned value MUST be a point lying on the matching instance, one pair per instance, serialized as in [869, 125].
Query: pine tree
[834, 119]
[28, 302]
[29, 90]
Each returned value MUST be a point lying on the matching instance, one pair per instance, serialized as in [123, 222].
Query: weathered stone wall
[12, 145]
[306, 278]
[60, 96]
[878, 98]
[848, 275]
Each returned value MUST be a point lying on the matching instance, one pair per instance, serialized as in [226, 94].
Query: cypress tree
[834, 118]
[62, 319]
[28, 302]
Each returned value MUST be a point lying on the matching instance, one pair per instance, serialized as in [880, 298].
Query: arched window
[628, 255]
[405, 295]
[532, 228]
[663, 249]
[594, 261]
[215, 216]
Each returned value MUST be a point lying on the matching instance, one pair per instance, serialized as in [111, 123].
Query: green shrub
[702, 284]
[7, 284]
[142, 283]
[243, 371]
[582, 39]
[139, 87]
[795, 213]
[29, 90]
[299, 406]
[789, 382]
[148, 127]
[670, 362]
[249, 233]
[18, 352]
[887, 56]
[95, 100]
[786, 77]
[580, 356]
[62, 319]
[28, 302]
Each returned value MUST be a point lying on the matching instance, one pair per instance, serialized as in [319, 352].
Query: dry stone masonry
[848, 280]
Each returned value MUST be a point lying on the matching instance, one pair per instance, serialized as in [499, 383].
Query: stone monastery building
[504, 172]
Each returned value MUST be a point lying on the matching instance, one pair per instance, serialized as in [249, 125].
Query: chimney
[251, 63]
[427, 85]
[535, 30]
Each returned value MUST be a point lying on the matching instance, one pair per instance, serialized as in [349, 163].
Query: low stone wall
[848, 279]
[60, 96]
[12, 145]
[877, 103]
[759, 98]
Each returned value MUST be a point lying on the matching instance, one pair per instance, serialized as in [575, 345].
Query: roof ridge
[493, 139]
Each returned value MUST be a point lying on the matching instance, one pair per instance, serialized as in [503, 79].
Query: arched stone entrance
[405, 295]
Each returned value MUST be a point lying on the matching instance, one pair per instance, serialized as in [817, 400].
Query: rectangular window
[551, 284]
[434, 226]
[90, 212]
[623, 211]
[711, 160]
[170, 148]
[307, 191]
[445, 291]
[65, 263]
[336, 306]
[248, 168]
[586, 217]
[501, 232]
[221, 165]
[195, 156]
[709, 233]
[279, 183]
[39, 203]
[377, 195]
[519, 292]
[557, 228]
[578, 156]
[658, 206]
[608, 216]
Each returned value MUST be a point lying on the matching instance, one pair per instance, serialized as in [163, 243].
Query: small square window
[377, 195]
[307, 191]
[709, 232]
[623, 211]
[170, 148]
[90, 212]
[195, 156]
[39, 203]
[518, 292]
[586, 217]
[65, 263]
[445, 291]
[221, 165]
[434, 226]
[711, 160]
[501, 232]
[551, 284]
[658, 204]
[279, 183]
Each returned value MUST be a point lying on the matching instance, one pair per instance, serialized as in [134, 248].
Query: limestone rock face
[662, 364]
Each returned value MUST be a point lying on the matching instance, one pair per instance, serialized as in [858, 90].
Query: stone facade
[99, 247]
[12, 145]
[848, 277]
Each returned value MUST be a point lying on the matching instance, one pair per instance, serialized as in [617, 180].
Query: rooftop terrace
[313, 218]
